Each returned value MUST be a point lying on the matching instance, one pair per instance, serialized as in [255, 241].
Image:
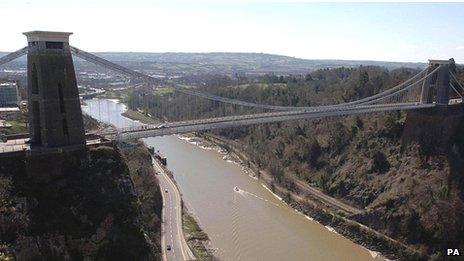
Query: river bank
[197, 239]
[334, 219]
[381, 247]
[137, 116]
[245, 223]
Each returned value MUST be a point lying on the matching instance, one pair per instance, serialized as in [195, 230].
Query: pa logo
[452, 252]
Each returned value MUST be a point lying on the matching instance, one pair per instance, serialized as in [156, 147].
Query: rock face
[434, 129]
[421, 200]
[406, 169]
[83, 208]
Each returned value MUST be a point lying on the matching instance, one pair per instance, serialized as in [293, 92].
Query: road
[306, 188]
[326, 198]
[171, 226]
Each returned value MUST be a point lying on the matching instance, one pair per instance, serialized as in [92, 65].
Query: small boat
[236, 189]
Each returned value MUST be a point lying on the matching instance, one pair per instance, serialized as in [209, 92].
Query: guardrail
[13, 148]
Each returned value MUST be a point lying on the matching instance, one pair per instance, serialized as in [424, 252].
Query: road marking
[178, 199]
[171, 187]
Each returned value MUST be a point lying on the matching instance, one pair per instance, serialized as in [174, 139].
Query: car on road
[168, 247]
[166, 190]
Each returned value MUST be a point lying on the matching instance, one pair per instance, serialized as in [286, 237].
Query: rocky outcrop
[434, 129]
[72, 206]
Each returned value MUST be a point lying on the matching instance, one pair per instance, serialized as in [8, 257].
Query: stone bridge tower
[436, 88]
[55, 114]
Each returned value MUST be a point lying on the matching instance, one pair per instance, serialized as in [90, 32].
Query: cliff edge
[75, 206]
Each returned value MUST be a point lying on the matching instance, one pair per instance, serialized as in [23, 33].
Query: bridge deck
[250, 119]
[16, 145]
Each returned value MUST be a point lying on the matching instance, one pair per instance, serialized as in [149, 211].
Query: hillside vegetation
[93, 206]
[223, 62]
[404, 168]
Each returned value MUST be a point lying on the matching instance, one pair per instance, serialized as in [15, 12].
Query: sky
[409, 32]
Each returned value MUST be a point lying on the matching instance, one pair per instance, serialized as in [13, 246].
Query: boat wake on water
[246, 193]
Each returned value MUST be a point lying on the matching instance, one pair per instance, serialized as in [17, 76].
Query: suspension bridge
[431, 87]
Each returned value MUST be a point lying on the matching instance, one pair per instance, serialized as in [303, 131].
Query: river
[252, 224]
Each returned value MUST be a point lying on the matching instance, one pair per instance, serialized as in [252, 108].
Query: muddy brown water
[249, 224]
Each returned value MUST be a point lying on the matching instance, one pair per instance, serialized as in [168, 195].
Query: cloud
[460, 48]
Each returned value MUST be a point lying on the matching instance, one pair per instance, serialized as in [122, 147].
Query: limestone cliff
[75, 206]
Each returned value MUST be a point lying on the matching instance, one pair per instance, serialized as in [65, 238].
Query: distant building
[9, 94]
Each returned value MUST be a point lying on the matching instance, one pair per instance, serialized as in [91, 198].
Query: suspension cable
[405, 89]
[14, 55]
[393, 89]
[456, 79]
[95, 59]
[146, 78]
[452, 86]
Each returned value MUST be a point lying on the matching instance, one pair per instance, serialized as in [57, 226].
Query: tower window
[433, 79]
[60, 96]
[65, 127]
[54, 45]
[37, 129]
[35, 80]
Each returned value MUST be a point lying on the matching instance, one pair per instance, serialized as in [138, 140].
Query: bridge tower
[55, 114]
[437, 86]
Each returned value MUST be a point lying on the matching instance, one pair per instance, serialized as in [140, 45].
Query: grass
[195, 237]
[260, 85]
[135, 115]
[121, 95]
[83, 90]
[16, 127]
[5, 257]
[163, 90]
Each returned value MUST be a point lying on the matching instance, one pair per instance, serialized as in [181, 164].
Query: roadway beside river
[194, 241]
[172, 239]
[250, 224]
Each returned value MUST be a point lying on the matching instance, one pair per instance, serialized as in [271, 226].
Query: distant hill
[258, 61]
[252, 58]
[233, 62]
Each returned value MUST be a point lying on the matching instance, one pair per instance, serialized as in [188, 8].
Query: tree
[315, 151]
[308, 78]
[380, 163]
[363, 78]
